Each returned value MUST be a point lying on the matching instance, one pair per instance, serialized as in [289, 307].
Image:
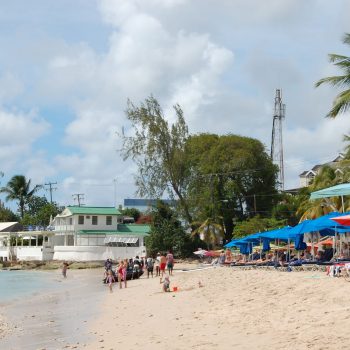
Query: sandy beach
[234, 309]
[253, 309]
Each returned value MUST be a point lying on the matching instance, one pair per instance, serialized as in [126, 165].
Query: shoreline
[214, 308]
[55, 318]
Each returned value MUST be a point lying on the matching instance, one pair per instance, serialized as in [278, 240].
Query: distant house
[307, 176]
[96, 233]
[77, 234]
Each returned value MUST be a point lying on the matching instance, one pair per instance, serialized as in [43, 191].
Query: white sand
[234, 310]
[253, 309]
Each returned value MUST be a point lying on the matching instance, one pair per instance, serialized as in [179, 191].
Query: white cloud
[18, 132]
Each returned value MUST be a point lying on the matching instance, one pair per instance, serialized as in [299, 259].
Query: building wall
[70, 223]
[34, 253]
[96, 253]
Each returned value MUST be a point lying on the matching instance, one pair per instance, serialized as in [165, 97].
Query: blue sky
[68, 67]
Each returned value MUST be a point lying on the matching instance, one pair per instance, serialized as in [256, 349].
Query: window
[94, 220]
[108, 220]
[70, 221]
[81, 220]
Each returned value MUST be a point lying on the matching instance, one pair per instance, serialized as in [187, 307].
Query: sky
[68, 67]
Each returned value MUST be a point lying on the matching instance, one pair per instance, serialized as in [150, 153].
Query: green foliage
[159, 152]
[256, 224]
[6, 215]
[232, 177]
[18, 189]
[342, 101]
[210, 232]
[287, 208]
[40, 212]
[132, 212]
[167, 233]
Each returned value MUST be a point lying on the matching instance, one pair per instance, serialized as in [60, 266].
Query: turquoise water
[17, 284]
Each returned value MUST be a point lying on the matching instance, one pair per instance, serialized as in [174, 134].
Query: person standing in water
[64, 269]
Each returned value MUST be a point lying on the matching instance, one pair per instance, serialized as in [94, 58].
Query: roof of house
[4, 226]
[122, 229]
[93, 210]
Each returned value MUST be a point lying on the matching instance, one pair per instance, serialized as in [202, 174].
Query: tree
[18, 188]
[342, 101]
[6, 215]
[210, 232]
[256, 224]
[232, 177]
[159, 152]
[132, 212]
[40, 211]
[167, 233]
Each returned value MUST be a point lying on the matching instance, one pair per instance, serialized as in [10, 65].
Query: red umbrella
[342, 220]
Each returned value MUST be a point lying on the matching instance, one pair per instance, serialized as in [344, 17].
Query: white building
[77, 234]
[96, 233]
[307, 176]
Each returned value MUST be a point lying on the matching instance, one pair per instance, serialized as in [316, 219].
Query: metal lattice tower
[276, 140]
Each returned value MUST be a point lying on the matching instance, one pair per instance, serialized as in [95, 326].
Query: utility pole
[51, 188]
[78, 197]
[276, 140]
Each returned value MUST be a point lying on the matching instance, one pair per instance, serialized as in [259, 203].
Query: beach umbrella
[342, 220]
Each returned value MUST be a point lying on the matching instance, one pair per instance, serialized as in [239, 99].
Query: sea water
[19, 284]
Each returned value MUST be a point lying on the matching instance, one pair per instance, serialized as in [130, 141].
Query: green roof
[123, 229]
[94, 210]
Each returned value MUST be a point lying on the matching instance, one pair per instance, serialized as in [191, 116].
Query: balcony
[63, 228]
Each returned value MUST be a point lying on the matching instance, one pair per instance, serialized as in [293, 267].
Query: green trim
[123, 229]
[93, 210]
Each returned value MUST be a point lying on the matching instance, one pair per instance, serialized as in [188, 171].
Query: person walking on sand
[157, 264]
[170, 262]
[162, 265]
[110, 280]
[120, 273]
[64, 269]
[149, 265]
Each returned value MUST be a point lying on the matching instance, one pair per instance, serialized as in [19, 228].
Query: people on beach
[120, 273]
[125, 270]
[222, 258]
[166, 284]
[110, 280]
[64, 269]
[149, 266]
[157, 264]
[162, 264]
[170, 262]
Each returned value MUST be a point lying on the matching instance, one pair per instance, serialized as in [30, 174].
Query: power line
[78, 197]
[51, 188]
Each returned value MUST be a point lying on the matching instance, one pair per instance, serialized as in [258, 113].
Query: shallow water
[19, 284]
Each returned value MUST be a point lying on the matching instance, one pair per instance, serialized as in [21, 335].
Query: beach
[214, 308]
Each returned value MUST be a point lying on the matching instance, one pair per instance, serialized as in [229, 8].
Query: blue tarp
[266, 245]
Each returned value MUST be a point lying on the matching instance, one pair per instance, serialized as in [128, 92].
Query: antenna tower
[276, 140]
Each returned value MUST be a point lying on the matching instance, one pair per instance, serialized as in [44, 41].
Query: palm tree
[342, 100]
[18, 188]
[209, 231]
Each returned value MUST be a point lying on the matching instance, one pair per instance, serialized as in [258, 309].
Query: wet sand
[54, 319]
[232, 309]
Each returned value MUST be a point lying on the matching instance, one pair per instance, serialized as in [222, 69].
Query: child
[166, 284]
[110, 280]
[64, 269]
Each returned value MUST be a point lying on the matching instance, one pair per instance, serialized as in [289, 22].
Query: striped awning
[126, 240]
